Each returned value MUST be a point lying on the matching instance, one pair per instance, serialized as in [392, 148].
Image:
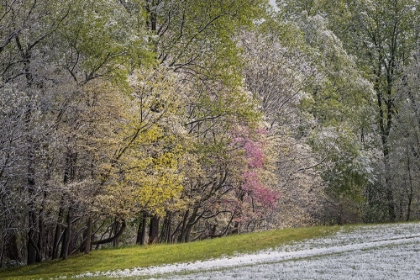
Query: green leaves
[197, 36]
[102, 38]
[360, 50]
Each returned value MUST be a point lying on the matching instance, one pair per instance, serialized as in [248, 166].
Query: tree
[379, 36]
[404, 139]
[144, 173]
[329, 97]
[216, 112]
[198, 36]
[11, 160]
[384, 34]
[390, 31]
[278, 69]
[197, 41]
[48, 53]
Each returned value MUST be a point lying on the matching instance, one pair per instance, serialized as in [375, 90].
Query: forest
[164, 121]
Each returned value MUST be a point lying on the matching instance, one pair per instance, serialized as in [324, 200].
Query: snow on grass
[368, 252]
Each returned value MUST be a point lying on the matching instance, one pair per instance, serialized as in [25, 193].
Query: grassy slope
[136, 256]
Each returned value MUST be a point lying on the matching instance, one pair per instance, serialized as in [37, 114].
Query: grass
[136, 256]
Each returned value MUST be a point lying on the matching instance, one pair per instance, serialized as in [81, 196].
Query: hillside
[359, 252]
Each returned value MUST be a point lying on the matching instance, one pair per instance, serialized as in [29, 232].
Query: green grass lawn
[137, 256]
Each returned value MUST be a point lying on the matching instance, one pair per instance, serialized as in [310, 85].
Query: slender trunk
[154, 230]
[213, 229]
[389, 122]
[88, 238]
[69, 175]
[186, 233]
[385, 122]
[181, 237]
[139, 230]
[41, 229]
[388, 185]
[142, 230]
[31, 242]
[32, 250]
[41, 241]
[58, 230]
[116, 227]
[67, 237]
[165, 235]
[3, 250]
[32, 219]
[410, 193]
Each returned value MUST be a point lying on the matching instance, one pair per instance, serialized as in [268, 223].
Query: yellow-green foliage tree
[143, 174]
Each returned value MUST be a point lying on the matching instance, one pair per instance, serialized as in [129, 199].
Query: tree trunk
[385, 123]
[165, 235]
[154, 230]
[58, 230]
[388, 185]
[139, 230]
[11, 248]
[31, 245]
[142, 230]
[32, 250]
[116, 227]
[181, 237]
[69, 175]
[186, 233]
[410, 191]
[67, 237]
[88, 236]
[41, 230]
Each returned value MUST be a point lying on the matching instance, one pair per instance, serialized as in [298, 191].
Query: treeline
[147, 121]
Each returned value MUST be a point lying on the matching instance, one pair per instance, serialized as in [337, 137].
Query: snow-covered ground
[370, 252]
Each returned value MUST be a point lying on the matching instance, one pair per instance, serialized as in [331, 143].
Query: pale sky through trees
[273, 3]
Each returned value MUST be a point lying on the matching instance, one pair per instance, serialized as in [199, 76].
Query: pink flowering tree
[255, 194]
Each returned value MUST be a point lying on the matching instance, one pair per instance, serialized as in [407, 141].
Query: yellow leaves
[146, 172]
[155, 192]
[148, 184]
[166, 160]
[132, 142]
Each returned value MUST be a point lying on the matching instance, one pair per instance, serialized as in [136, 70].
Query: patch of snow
[370, 252]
